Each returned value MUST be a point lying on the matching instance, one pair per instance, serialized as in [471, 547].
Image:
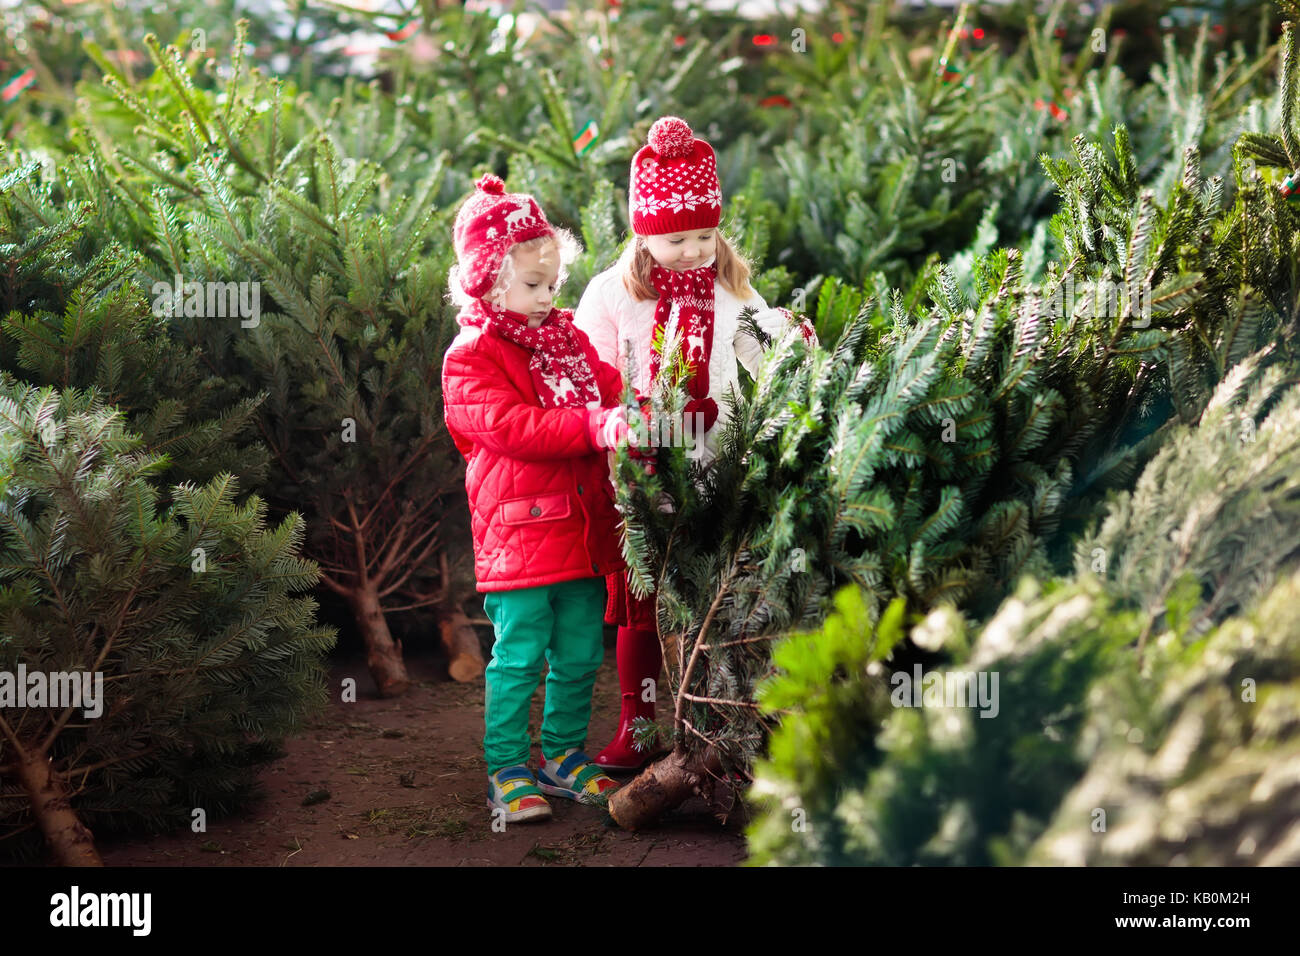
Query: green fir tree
[188, 619]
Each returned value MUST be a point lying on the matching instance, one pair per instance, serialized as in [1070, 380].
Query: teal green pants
[563, 624]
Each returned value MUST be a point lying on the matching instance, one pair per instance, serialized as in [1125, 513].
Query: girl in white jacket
[678, 277]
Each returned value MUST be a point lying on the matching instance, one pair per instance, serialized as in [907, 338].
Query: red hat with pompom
[488, 223]
[674, 182]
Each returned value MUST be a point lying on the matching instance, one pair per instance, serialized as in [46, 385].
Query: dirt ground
[406, 786]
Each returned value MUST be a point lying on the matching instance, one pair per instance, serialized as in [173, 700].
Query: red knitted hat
[488, 223]
[674, 182]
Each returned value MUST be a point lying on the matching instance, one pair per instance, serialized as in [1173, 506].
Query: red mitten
[707, 406]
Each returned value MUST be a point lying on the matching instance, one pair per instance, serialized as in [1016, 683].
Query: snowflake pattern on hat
[674, 183]
[677, 202]
[647, 205]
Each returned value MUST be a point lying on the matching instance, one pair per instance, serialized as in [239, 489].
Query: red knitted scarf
[559, 368]
[688, 295]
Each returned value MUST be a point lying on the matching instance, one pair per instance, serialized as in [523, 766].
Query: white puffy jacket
[618, 326]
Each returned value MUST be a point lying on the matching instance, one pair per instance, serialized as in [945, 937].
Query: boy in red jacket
[533, 410]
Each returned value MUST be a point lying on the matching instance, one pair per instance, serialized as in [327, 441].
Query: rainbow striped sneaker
[573, 775]
[514, 790]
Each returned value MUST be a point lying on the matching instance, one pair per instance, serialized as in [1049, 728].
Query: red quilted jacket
[540, 499]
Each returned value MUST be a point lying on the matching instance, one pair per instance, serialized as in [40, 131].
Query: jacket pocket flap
[531, 508]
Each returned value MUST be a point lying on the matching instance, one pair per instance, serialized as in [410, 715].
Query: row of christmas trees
[876, 155]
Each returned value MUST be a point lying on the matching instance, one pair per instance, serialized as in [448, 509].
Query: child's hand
[608, 427]
[803, 326]
[809, 333]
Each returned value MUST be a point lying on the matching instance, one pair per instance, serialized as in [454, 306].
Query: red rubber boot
[639, 659]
